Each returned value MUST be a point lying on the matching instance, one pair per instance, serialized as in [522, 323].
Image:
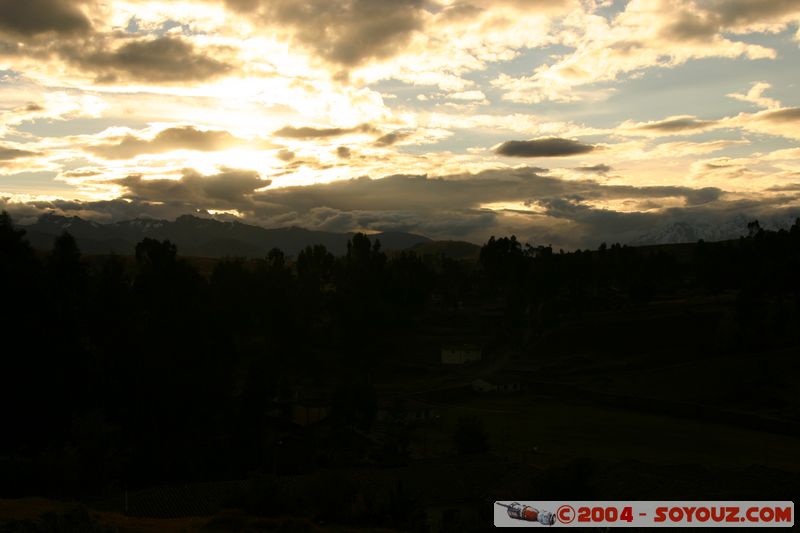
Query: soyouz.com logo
[644, 514]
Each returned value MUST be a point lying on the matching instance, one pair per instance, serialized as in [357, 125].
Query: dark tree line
[142, 370]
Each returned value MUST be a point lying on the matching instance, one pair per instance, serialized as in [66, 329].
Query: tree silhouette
[66, 274]
[156, 255]
[276, 260]
[363, 257]
[753, 228]
[470, 436]
[315, 266]
[503, 260]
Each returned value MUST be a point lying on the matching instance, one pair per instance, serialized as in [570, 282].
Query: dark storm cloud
[28, 18]
[459, 12]
[307, 132]
[551, 147]
[718, 15]
[462, 223]
[104, 210]
[790, 187]
[735, 12]
[790, 114]
[81, 173]
[7, 154]
[186, 138]
[345, 32]
[717, 166]
[48, 29]
[691, 26]
[404, 192]
[703, 196]
[599, 169]
[164, 59]
[677, 124]
[391, 138]
[590, 225]
[565, 213]
[31, 108]
[398, 193]
[230, 188]
[451, 207]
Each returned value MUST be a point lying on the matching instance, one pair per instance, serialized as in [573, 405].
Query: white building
[460, 354]
[482, 385]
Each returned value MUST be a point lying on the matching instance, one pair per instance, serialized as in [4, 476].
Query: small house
[496, 385]
[481, 385]
[460, 354]
[308, 413]
[405, 412]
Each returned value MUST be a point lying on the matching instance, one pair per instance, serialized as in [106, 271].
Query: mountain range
[206, 237]
[200, 237]
[724, 230]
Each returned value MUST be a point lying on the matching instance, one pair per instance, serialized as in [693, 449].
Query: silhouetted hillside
[198, 236]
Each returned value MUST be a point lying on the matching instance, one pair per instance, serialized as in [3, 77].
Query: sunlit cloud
[233, 106]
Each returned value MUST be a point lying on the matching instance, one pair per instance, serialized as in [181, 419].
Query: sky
[564, 122]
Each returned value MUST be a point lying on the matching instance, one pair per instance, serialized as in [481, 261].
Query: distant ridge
[206, 237]
[201, 237]
[725, 230]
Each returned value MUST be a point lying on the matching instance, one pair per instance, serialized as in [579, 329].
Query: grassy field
[542, 431]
